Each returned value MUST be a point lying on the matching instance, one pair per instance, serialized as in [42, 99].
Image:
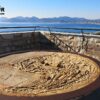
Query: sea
[58, 25]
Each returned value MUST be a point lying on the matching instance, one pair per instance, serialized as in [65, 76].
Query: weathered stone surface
[45, 73]
[89, 45]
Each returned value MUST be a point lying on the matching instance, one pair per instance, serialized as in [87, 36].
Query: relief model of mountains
[64, 19]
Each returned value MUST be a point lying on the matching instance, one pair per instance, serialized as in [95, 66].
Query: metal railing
[49, 28]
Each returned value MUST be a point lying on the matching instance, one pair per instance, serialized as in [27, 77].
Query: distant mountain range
[64, 19]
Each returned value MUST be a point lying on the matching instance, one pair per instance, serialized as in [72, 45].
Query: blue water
[59, 25]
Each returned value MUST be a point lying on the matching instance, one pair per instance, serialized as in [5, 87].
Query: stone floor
[35, 72]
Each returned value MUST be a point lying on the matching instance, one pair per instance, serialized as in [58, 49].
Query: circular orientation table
[47, 76]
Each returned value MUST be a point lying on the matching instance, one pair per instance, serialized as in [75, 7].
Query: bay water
[58, 25]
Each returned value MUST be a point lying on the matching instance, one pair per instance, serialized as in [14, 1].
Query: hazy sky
[52, 8]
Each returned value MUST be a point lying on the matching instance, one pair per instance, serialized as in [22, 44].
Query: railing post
[83, 38]
[49, 30]
[35, 29]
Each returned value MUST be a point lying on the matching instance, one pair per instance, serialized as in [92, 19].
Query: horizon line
[51, 17]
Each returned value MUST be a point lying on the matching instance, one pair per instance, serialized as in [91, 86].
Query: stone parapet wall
[86, 44]
[14, 42]
[23, 41]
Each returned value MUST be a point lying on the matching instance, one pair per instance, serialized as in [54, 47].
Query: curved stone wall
[36, 41]
[13, 42]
